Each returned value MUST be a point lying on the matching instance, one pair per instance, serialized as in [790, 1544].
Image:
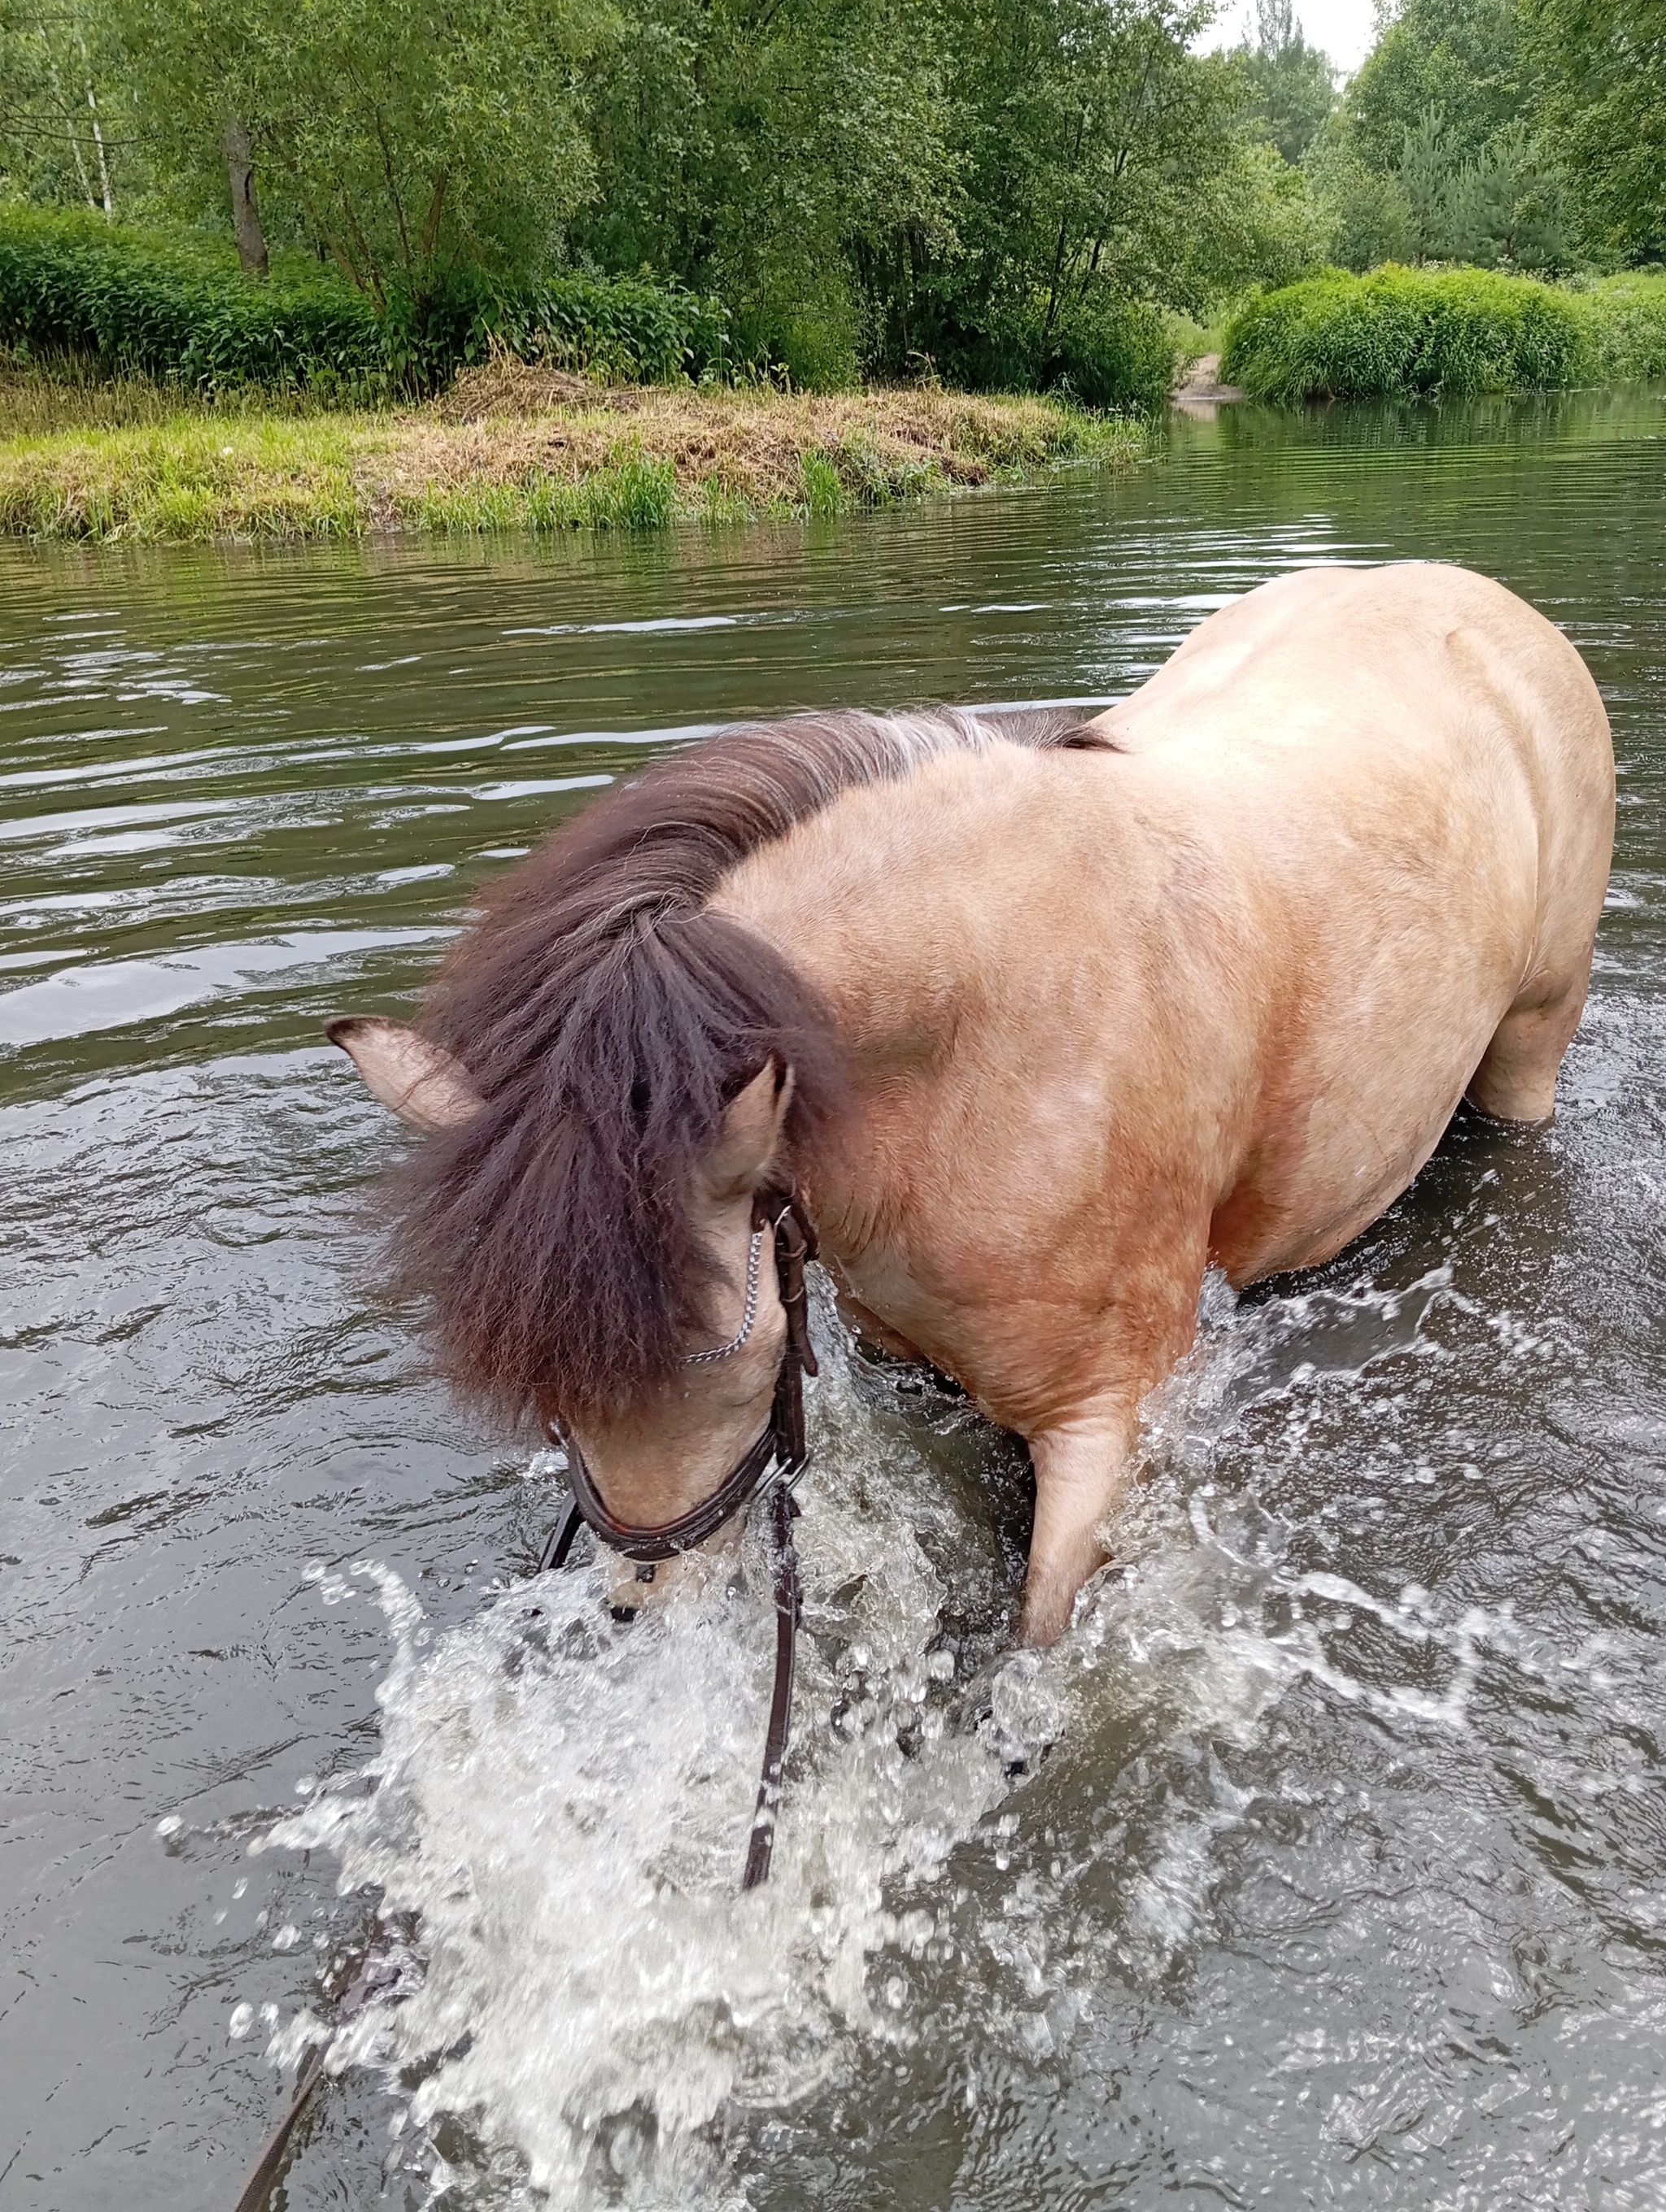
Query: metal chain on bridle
[773, 1465]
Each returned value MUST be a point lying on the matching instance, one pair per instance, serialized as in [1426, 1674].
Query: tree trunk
[245, 207]
[98, 134]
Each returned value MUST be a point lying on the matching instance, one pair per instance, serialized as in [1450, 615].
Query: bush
[74, 286]
[1109, 352]
[626, 329]
[1626, 319]
[1406, 330]
[1102, 350]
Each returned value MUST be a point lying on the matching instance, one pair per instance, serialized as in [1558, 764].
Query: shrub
[1627, 318]
[627, 329]
[73, 286]
[1102, 350]
[1406, 330]
[1110, 352]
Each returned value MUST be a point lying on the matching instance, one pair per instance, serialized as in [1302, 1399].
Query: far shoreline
[509, 448]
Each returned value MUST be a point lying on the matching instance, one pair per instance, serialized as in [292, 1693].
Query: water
[1322, 1864]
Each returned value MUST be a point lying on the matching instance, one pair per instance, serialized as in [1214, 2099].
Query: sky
[1342, 28]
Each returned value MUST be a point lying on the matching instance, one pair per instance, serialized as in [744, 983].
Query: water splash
[560, 1805]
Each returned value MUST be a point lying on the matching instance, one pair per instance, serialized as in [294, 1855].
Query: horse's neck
[951, 924]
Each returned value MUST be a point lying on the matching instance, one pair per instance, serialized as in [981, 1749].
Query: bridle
[772, 1466]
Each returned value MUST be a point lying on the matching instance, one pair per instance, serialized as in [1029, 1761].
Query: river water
[1324, 1864]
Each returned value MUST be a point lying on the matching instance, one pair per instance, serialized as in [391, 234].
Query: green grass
[635, 493]
[1625, 321]
[192, 477]
[1409, 331]
[133, 469]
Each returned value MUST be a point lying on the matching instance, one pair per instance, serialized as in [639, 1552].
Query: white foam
[560, 1806]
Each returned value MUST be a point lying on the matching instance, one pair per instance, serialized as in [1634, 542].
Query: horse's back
[1347, 662]
[1409, 772]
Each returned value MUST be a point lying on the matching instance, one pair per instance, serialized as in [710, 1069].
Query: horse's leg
[1081, 1473]
[1516, 1078]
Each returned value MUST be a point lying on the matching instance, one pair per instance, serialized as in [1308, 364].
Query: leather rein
[773, 1465]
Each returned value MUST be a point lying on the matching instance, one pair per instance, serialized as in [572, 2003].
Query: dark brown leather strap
[259, 2186]
[783, 1511]
[374, 1973]
[691, 1529]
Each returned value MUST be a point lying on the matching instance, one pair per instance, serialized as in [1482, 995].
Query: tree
[65, 130]
[772, 151]
[1507, 208]
[1462, 59]
[1091, 146]
[1292, 86]
[1010, 190]
[407, 138]
[1603, 66]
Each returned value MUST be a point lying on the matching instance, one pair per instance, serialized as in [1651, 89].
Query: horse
[1036, 1017]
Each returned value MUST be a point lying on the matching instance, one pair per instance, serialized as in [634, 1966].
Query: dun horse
[1039, 1017]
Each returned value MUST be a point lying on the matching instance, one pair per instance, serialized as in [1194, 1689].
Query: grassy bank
[1400, 331]
[509, 448]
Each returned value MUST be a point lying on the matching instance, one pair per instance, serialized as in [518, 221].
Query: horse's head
[661, 1447]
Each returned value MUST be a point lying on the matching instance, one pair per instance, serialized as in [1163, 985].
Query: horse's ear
[423, 1085]
[749, 1136]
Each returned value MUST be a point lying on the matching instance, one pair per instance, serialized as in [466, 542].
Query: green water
[1325, 1865]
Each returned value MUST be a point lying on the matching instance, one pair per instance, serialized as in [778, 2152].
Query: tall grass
[1457, 331]
[1401, 331]
[189, 477]
[655, 458]
[1626, 319]
[635, 492]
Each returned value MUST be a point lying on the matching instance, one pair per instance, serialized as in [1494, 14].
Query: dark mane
[607, 1018]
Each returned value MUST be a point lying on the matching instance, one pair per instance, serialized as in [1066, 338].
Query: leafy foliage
[1020, 193]
[1521, 134]
[1000, 192]
[410, 138]
[1463, 60]
[67, 130]
[75, 285]
[1103, 174]
[1291, 85]
[1604, 63]
[1625, 317]
[758, 148]
[1339, 336]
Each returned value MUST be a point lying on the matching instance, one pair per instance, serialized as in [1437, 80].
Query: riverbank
[508, 447]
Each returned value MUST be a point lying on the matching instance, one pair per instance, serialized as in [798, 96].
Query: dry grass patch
[517, 447]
